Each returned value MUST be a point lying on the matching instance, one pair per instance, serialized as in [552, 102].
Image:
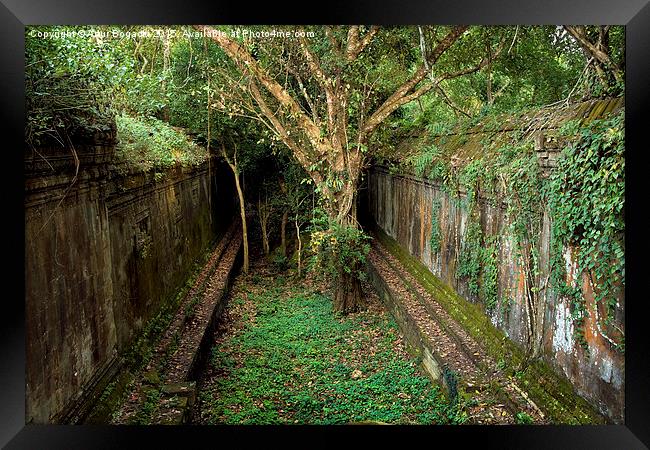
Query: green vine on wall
[470, 258]
[586, 197]
[573, 293]
[478, 259]
[490, 281]
[477, 262]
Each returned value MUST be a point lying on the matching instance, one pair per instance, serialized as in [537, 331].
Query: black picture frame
[15, 14]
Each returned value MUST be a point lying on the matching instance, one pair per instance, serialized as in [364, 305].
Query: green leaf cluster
[586, 198]
[338, 248]
[67, 85]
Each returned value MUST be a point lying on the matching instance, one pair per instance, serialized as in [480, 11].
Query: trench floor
[279, 355]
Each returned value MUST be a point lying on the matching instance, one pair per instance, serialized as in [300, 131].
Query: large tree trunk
[347, 291]
[166, 69]
[347, 296]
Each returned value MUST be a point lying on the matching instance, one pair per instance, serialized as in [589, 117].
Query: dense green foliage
[157, 83]
[428, 163]
[337, 248]
[80, 76]
[296, 363]
[586, 197]
[80, 79]
[66, 86]
[537, 66]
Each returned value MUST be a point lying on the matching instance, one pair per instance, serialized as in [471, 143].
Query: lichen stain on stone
[563, 329]
[601, 354]
[494, 317]
[570, 266]
[615, 374]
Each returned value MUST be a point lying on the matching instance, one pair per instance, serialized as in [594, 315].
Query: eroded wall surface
[401, 204]
[103, 252]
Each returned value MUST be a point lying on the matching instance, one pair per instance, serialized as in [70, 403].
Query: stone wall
[103, 252]
[401, 204]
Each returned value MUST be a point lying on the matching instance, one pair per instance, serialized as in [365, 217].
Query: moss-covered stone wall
[402, 204]
[104, 251]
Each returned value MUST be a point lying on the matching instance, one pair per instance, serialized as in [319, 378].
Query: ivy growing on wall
[471, 255]
[436, 238]
[470, 260]
[469, 179]
[584, 197]
[490, 282]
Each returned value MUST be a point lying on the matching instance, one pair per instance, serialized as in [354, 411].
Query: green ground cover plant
[298, 362]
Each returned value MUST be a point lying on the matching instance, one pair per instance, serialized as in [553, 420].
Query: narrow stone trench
[163, 390]
[496, 398]
[277, 354]
[487, 232]
[267, 348]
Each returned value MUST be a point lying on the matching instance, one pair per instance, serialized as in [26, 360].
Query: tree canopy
[328, 96]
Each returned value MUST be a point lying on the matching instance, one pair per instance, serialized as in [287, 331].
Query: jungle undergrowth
[298, 362]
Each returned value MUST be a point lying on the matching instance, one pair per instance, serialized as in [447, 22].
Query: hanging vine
[436, 236]
[586, 197]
